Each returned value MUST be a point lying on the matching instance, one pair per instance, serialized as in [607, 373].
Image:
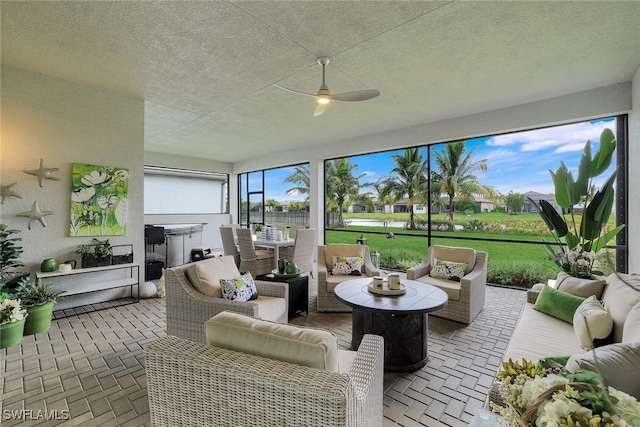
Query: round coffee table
[401, 320]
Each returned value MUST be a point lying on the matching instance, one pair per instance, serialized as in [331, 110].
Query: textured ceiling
[206, 69]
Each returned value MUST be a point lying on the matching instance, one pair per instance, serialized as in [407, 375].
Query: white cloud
[563, 138]
[369, 174]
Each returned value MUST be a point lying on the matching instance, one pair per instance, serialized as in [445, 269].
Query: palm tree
[408, 180]
[384, 198]
[342, 187]
[301, 179]
[455, 175]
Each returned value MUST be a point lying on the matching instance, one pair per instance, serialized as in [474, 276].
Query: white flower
[95, 178]
[107, 202]
[82, 195]
[11, 311]
[627, 406]
[122, 175]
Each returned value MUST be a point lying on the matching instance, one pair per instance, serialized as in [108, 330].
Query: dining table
[275, 244]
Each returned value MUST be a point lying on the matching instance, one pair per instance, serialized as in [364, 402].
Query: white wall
[64, 123]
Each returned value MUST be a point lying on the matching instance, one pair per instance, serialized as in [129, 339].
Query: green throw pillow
[561, 305]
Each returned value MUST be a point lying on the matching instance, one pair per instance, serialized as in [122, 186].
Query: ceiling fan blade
[358, 95]
[319, 110]
[294, 91]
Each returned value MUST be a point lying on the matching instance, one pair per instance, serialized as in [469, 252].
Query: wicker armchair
[327, 282]
[258, 262]
[192, 384]
[467, 297]
[187, 309]
[302, 251]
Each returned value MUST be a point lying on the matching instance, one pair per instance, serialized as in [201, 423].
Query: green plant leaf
[602, 159]
[560, 184]
[598, 211]
[601, 241]
[584, 171]
[552, 218]
[572, 240]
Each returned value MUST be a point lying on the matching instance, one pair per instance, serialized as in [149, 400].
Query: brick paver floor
[88, 368]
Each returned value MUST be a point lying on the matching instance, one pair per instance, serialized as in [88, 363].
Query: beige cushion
[631, 331]
[341, 250]
[580, 287]
[619, 365]
[591, 319]
[271, 308]
[205, 275]
[308, 347]
[538, 287]
[451, 287]
[451, 253]
[346, 358]
[619, 297]
[539, 335]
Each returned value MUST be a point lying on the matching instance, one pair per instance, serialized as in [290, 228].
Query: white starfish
[43, 173]
[35, 214]
[9, 191]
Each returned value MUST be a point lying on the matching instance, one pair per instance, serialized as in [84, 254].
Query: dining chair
[229, 245]
[302, 250]
[258, 262]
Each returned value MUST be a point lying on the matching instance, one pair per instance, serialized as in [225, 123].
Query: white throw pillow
[591, 319]
[631, 330]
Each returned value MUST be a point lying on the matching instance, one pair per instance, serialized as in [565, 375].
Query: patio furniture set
[238, 362]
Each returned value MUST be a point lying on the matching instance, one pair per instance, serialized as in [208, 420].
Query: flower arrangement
[576, 262]
[552, 397]
[11, 310]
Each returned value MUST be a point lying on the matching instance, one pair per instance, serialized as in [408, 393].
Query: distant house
[531, 197]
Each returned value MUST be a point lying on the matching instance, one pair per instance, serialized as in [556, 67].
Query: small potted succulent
[12, 319]
[38, 298]
[95, 255]
[9, 257]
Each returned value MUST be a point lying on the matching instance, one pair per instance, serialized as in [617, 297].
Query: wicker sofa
[327, 281]
[193, 384]
[189, 305]
[466, 297]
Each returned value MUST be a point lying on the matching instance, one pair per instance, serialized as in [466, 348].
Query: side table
[298, 293]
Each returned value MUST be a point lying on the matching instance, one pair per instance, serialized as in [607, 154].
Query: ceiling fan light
[323, 99]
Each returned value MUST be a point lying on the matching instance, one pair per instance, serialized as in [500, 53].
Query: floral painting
[99, 200]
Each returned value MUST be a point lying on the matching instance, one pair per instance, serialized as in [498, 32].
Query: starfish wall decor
[35, 214]
[9, 191]
[43, 173]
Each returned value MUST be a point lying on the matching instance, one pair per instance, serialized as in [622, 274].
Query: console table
[94, 284]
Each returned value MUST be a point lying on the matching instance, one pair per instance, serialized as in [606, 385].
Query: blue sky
[518, 162]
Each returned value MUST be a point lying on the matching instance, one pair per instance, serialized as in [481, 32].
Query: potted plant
[9, 257]
[580, 239]
[38, 298]
[95, 255]
[12, 319]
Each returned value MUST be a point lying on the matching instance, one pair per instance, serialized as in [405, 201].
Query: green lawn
[508, 262]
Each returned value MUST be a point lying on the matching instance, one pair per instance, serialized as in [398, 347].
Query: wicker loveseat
[193, 384]
[327, 281]
[188, 307]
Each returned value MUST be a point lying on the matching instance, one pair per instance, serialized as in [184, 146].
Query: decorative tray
[285, 275]
[386, 291]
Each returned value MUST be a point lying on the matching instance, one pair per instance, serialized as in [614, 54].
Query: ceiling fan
[324, 97]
